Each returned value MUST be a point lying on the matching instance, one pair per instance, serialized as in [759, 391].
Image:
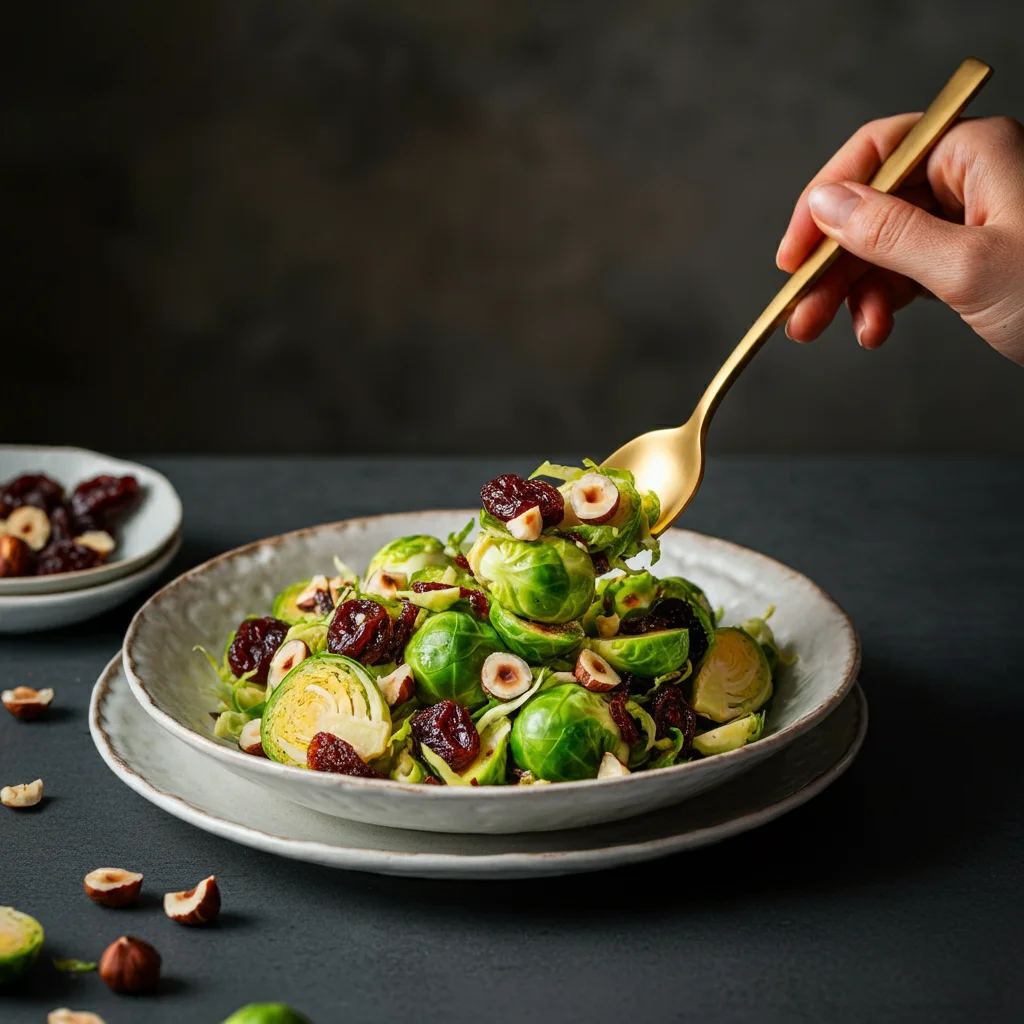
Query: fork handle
[966, 82]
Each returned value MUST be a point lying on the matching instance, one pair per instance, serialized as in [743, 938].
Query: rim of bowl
[264, 766]
[129, 565]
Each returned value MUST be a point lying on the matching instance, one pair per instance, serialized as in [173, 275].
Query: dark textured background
[452, 226]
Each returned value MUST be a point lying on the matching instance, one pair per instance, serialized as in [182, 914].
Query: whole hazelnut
[130, 965]
[15, 557]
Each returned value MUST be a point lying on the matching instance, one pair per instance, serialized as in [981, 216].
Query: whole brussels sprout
[408, 555]
[536, 642]
[21, 938]
[550, 580]
[266, 1013]
[446, 656]
[735, 678]
[562, 734]
[645, 654]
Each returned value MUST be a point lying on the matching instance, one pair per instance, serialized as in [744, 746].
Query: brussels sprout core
[735, 678]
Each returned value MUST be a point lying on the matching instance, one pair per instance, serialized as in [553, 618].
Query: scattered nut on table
[195, 906]
[25, 703]
[113, 887]
[66, 1016]
[26, 795]
[130, 965]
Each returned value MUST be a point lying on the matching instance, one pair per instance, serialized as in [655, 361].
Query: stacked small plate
[147, 541]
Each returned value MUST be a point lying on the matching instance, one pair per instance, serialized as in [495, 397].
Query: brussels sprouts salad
[531, 653]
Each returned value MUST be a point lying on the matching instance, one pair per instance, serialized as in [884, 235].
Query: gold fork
[671, 461]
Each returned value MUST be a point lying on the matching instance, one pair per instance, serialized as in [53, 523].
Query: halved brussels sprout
[488, 769]
[731, 736]
[677, 586]
[762, 633]
[285, 607]
[646, 654]
[408, 555]
[446, 655]
[21, 938]
[550, 580]
[562, 734]
[325, 693]
[627, 596]
[266, 1013]
[735, 678]
[537, 642]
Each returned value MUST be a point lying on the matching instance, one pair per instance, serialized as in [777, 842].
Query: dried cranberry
[477, 598]
[463, 563]
[254, 644]
[64, 555]
[509, 495]
[61, 525]
[401, 630]
[669, 709]
[670, 613]
[104, 499]
[431, 781]
[601, 563]
[329, 753]
[31, 489]
[360, 629]
[449, 732]
[322, 602]
[622, 718]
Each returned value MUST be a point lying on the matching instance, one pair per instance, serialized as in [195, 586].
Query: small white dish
[177, 687]
[184, 783]
[28, 613]
[140, 537]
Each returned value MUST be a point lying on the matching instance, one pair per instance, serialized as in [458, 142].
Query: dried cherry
[401, 630]
[64, 555]
[360, 629]
[255, 642]
[621, 717]
[322, 603]
[669, 709]
[463, 563]
[477, 598]
[449, 732]
[104, 499]
[670, 613]
[509, 495]
[329, 753]
[30, 489]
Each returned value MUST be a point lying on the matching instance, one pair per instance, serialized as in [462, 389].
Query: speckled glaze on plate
[176, 686]
[141, 537]
[184, 783]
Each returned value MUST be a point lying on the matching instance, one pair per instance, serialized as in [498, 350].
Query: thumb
[894, 234]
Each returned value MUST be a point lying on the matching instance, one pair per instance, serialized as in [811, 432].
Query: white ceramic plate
[141, 536]
[33, 612]
[177, 687]
[183, 782]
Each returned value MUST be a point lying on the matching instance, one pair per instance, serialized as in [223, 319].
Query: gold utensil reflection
[671, 462]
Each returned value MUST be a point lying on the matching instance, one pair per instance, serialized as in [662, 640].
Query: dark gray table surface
[895, 896]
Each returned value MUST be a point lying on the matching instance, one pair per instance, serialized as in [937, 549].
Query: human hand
[955, 230]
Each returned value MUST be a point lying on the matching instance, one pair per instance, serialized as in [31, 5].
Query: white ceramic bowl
[29, 613]
[177, 688]
[140, 537]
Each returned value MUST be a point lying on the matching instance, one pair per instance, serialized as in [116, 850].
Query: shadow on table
[916, 798]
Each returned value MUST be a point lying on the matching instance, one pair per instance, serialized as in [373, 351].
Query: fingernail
[786, 328]
[778, 253]
[832, 204]
[858, 327]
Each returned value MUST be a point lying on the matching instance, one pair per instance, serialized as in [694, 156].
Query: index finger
[856, 160]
